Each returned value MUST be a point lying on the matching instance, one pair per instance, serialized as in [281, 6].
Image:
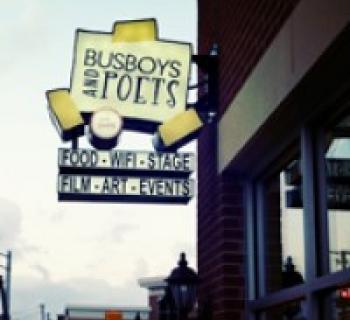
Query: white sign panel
[144, 80]
[75, 187]
[142, 161]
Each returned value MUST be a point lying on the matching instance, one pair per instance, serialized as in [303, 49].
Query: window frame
[318, 280]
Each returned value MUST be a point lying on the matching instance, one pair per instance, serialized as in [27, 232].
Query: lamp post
[183, 286]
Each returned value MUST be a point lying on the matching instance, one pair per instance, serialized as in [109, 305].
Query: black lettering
[130, 160]
[123, 183]
[151, 161]
[108, 75]
[65, 184]
[151, 186]
[105, 186]
[90, 57]
[91, 73]
[64, 156]
[124, 87]
[175, 73]
[130, 63]
[118, 58]
[169, 188]
[91, 78]
[186, 161]
[119, 160]
[159, 187]
[104, 64]
[177, 162]
[94, 158]
[115, 185]
[177, 183]
[85, 184]
[84, 158]
[90, 93]
[138, 97]
[162, 65]
[166, 162]
[171, 102]
[186, 188]
[143, 187]
[142, 65]
[157, 83]
[74, 158]
[92, 83]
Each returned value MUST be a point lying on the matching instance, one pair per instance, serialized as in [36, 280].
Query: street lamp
[183, 284]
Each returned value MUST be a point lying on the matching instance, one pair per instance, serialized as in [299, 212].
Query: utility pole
[5, 313]
[8, 269]
[42, 311]
[8, 280]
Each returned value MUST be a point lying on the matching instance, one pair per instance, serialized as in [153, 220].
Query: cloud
[42, 271]
[10, 227]
[119, 231]
[141, 269]
[57, 215]
[32, 291]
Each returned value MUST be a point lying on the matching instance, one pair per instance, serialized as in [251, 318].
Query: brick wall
[220, 238]
[153, 303]
[243, 29]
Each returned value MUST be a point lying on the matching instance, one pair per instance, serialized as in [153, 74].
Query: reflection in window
[337, 156]
[284, 229]
[337, 306]
[293, 310]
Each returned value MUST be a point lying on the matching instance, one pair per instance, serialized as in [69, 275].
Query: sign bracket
[207, 102]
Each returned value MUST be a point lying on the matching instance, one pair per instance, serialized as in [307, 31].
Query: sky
[68, 253]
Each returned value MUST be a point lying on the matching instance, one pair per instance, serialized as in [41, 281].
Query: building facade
[274, 171]
[84, 312]
[156, 290]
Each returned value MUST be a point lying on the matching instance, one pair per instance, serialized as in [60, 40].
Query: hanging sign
[130, 70]
[126, 79]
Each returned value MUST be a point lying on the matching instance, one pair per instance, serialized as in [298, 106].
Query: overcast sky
[67, 253]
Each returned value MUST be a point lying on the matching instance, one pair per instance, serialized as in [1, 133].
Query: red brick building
[283, 122]
[156, 290]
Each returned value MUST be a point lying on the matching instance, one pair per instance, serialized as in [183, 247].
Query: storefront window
[284, 232]
[311, 197]
[337, 156]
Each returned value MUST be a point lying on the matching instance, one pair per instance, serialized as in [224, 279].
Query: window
[299, 244]
[292, 310]
[284, 231]
[337, 166]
